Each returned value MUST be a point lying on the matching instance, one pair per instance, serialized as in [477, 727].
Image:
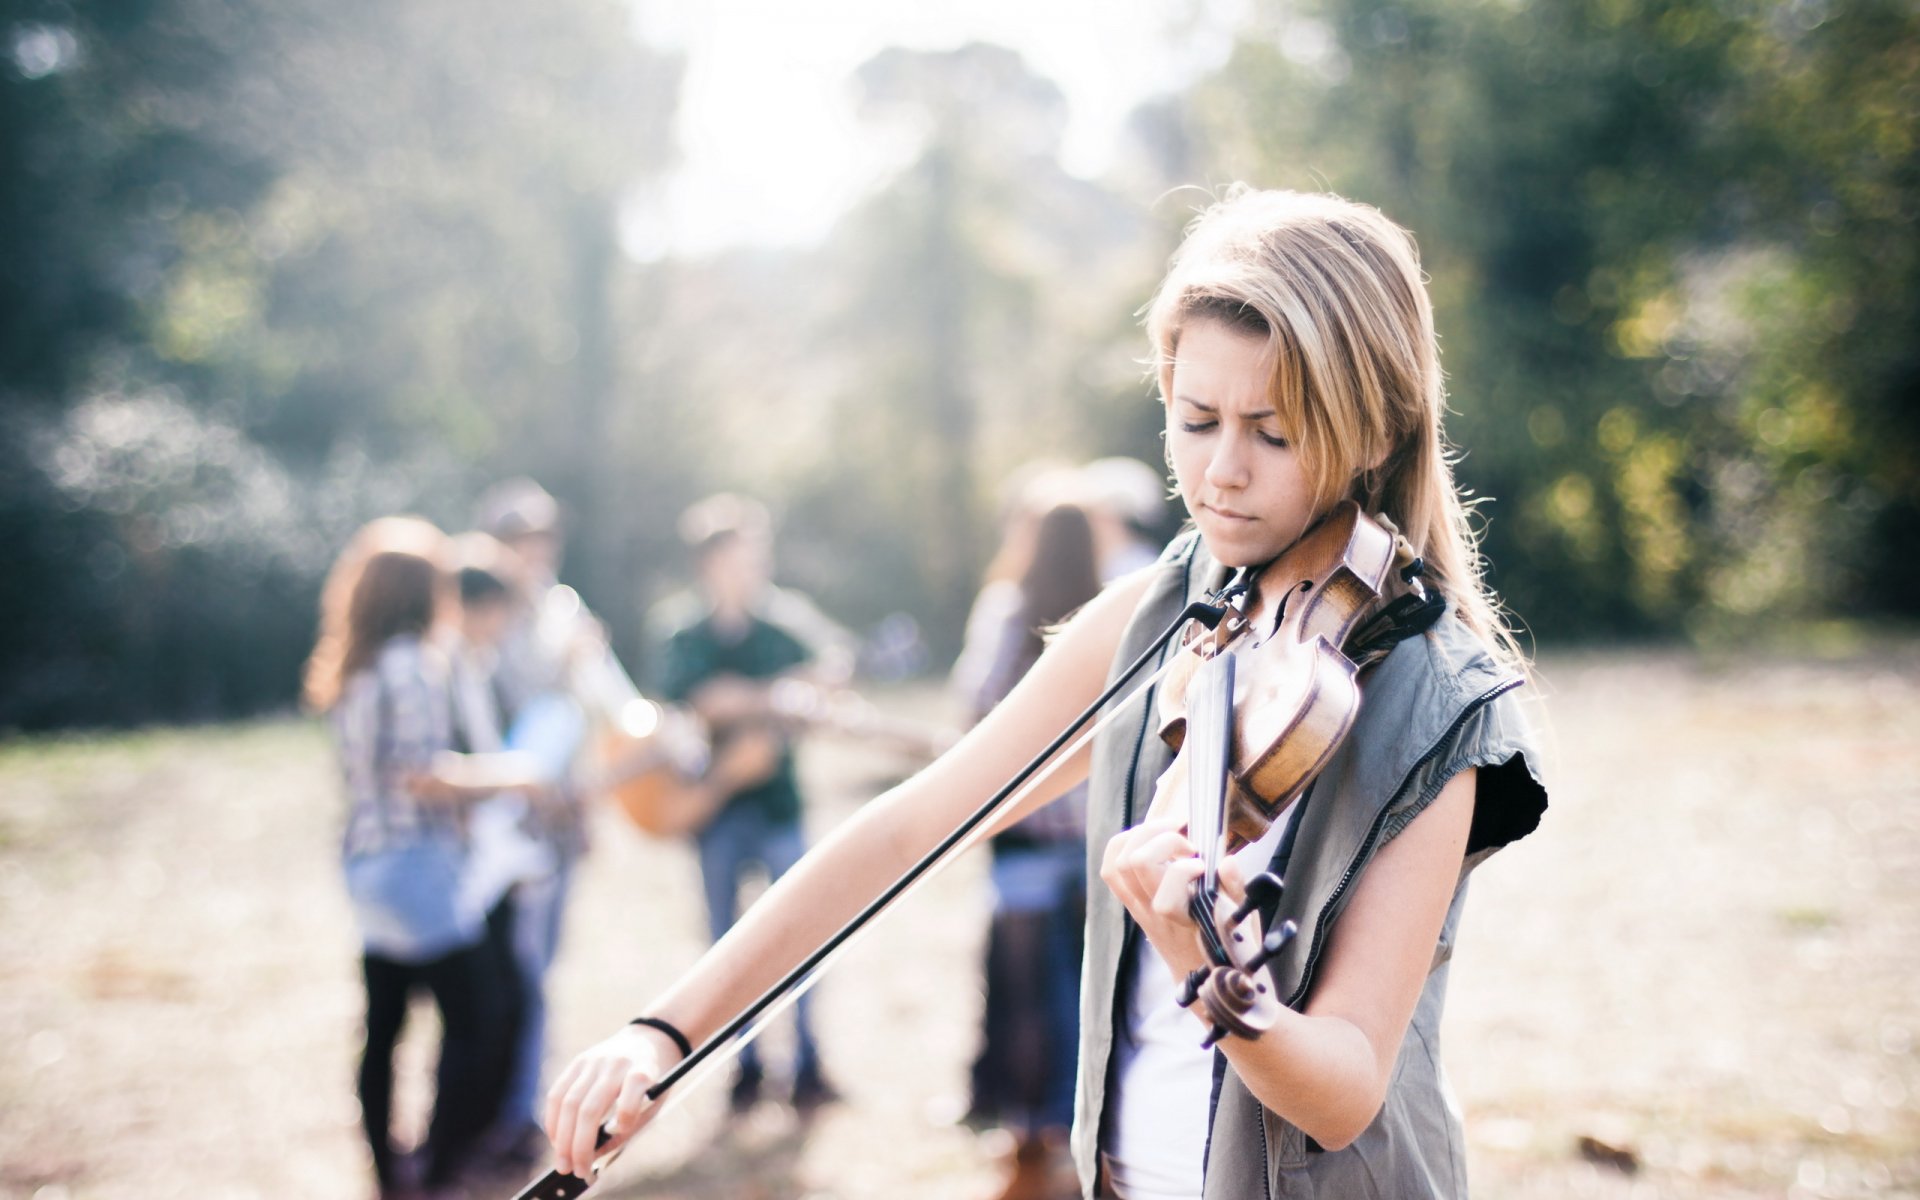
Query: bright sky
[771, 148]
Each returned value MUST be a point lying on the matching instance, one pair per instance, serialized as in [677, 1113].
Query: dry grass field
[1704, 963]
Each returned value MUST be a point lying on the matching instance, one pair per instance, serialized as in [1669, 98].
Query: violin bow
[733, 1037]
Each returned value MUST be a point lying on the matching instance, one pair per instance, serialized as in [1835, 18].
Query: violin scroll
[1233, 992]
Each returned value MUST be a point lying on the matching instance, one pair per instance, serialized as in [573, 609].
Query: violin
[1263, 689]
[1255, 706]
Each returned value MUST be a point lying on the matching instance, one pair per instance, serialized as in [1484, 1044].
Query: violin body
[1297, 693]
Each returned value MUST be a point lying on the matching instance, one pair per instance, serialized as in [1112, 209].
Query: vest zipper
[1379, 820]
[1266, 1159]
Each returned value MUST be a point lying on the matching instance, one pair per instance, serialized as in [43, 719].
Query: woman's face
[1238, 469]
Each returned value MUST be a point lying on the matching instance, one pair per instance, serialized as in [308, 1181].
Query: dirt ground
[1703, 966]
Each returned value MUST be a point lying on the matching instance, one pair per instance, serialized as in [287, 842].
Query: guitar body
[652, 762]
[658, 801]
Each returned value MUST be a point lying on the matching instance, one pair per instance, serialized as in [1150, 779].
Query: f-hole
[1280, 613]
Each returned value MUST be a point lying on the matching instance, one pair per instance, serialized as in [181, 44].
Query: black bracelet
[666, 1027]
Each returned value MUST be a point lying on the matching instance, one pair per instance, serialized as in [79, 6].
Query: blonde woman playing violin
[1298, 369]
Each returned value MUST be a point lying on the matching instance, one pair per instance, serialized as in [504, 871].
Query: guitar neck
[845, 713]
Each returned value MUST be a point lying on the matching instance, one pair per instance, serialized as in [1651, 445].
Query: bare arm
[453, 777]
[1326, 1069]
[841, 875]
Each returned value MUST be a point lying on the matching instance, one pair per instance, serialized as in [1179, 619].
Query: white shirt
[1156, 1145]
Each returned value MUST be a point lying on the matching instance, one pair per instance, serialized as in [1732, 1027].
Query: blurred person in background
[512, 855]
[725, 651]
[485, 579]
[553, 678]
[1025, 495]
[430, 908]
[1127, 501]
[1024, 1074]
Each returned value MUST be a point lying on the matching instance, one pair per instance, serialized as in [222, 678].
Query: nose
[1227, 469]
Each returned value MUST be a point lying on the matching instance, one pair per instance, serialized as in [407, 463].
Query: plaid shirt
[391, 719]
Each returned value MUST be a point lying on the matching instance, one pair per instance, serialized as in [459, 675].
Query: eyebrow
[1183, 398]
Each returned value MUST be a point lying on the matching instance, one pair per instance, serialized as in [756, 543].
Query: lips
[1226, 513]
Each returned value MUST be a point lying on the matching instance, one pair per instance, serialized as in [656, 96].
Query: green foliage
[1672, 251]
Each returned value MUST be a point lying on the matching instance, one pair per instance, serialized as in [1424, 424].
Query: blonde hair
[1337, 290]
[387, 581]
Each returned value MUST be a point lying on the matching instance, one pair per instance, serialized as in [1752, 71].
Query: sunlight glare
[772, 150]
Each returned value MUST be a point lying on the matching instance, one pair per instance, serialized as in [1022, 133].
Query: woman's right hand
[605, 1087]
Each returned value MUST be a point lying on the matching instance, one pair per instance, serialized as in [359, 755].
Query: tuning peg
[1263, 890]
[1275, 941]
[1190, 986]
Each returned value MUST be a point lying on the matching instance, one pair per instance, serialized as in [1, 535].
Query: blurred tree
[366, 251]
[972, 301]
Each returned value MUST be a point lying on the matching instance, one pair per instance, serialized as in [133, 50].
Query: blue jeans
[739, 838]
[538, 907]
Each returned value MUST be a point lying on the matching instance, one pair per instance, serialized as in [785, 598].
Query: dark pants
[477, 992]
[1028, 1059]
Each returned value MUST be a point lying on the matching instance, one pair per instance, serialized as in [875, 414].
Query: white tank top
[1156, 1144]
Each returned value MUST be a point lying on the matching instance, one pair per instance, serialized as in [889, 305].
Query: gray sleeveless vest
[1437, 705]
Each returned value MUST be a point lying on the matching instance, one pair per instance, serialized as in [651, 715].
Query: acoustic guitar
[658, 765]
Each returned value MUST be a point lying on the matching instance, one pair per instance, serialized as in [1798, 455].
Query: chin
[1238, 551]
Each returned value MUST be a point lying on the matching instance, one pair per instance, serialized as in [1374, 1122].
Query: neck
[730, 616]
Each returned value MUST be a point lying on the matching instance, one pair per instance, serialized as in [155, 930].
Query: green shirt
[698, 652]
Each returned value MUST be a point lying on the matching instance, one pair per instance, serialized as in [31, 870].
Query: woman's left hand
[1152, 869]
